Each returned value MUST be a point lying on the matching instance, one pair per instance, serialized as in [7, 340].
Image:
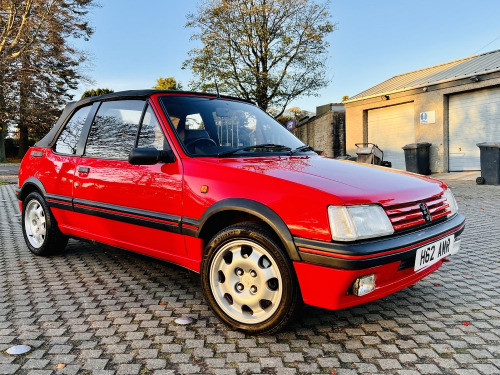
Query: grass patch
[446, 355]
[11, 161]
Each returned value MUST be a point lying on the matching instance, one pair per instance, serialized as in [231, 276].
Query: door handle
[83, 169]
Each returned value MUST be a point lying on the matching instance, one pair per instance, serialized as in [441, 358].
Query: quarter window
[68, 139]
[151, 134]
[113, 132]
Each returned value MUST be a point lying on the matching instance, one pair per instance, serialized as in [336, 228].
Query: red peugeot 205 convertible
[216, 185]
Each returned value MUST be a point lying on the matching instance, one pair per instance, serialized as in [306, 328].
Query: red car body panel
[170, 200]
[155, 188]
[332, 294]
[312, 182]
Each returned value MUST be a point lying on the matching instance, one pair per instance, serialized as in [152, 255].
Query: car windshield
[222, 127]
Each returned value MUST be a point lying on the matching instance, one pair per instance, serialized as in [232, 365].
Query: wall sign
[428, 117]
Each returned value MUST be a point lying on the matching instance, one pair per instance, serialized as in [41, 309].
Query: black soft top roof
[50, 138]
[147, 93]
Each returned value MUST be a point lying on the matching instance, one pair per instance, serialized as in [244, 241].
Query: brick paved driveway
[112, 312]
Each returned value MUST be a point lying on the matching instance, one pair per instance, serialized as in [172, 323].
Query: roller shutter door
[474, 117]
[391, 128]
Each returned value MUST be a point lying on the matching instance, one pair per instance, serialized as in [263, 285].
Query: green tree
[39, 66]
[168, 83]
[267, 51]
[96, 92]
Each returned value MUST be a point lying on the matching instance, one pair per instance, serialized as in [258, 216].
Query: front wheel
[248, 281]
[40, 229]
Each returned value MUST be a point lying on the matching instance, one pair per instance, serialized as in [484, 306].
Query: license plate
[431, 253]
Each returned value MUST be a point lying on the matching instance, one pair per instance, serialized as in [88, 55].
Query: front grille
[410, 215]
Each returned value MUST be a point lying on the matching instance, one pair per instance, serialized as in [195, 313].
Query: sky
[136, 42]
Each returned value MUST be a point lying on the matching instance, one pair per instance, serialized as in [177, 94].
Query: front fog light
[364, 285]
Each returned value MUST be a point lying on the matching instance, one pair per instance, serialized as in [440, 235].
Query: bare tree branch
[269, 51]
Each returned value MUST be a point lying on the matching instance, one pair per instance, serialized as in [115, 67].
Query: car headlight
[351, 223]
[451, 201]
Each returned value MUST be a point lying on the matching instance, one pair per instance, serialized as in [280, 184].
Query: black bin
[490, 163]
[417, 158]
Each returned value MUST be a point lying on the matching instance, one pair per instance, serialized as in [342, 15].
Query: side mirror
[150, 156]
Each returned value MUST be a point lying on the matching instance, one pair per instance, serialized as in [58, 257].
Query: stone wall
[325, 132]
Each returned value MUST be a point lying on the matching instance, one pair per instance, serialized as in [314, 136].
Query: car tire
[40, 230]
[248, 280]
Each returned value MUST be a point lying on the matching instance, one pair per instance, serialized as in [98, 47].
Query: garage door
[474, 118]
[391, 128]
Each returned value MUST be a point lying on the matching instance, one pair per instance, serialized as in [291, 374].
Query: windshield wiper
[270, 146]
[302, 149]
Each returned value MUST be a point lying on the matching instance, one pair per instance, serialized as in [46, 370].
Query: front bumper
[328, 270]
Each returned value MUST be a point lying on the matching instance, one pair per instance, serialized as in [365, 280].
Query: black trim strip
[380, 245]
[176, 220]
[61, 198]
[191, 221]
[174, 228]
[189, 232]
[373, 247]
[59, 201]
[144, 110]
[60, 205]
[119, 214]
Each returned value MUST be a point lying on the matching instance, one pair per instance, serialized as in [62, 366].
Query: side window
[151, 134]
[112, 134]
[68, 139]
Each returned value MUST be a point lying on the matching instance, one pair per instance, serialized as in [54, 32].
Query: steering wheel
[209, 141]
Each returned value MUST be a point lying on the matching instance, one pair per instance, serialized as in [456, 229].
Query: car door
[137, 207]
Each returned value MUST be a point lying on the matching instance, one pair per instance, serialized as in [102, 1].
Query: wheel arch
[30, 185]
[233, 210]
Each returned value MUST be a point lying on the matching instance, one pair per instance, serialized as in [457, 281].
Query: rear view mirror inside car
[223, 112]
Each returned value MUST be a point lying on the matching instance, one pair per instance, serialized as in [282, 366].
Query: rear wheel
[248, 281]
[40, 229]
